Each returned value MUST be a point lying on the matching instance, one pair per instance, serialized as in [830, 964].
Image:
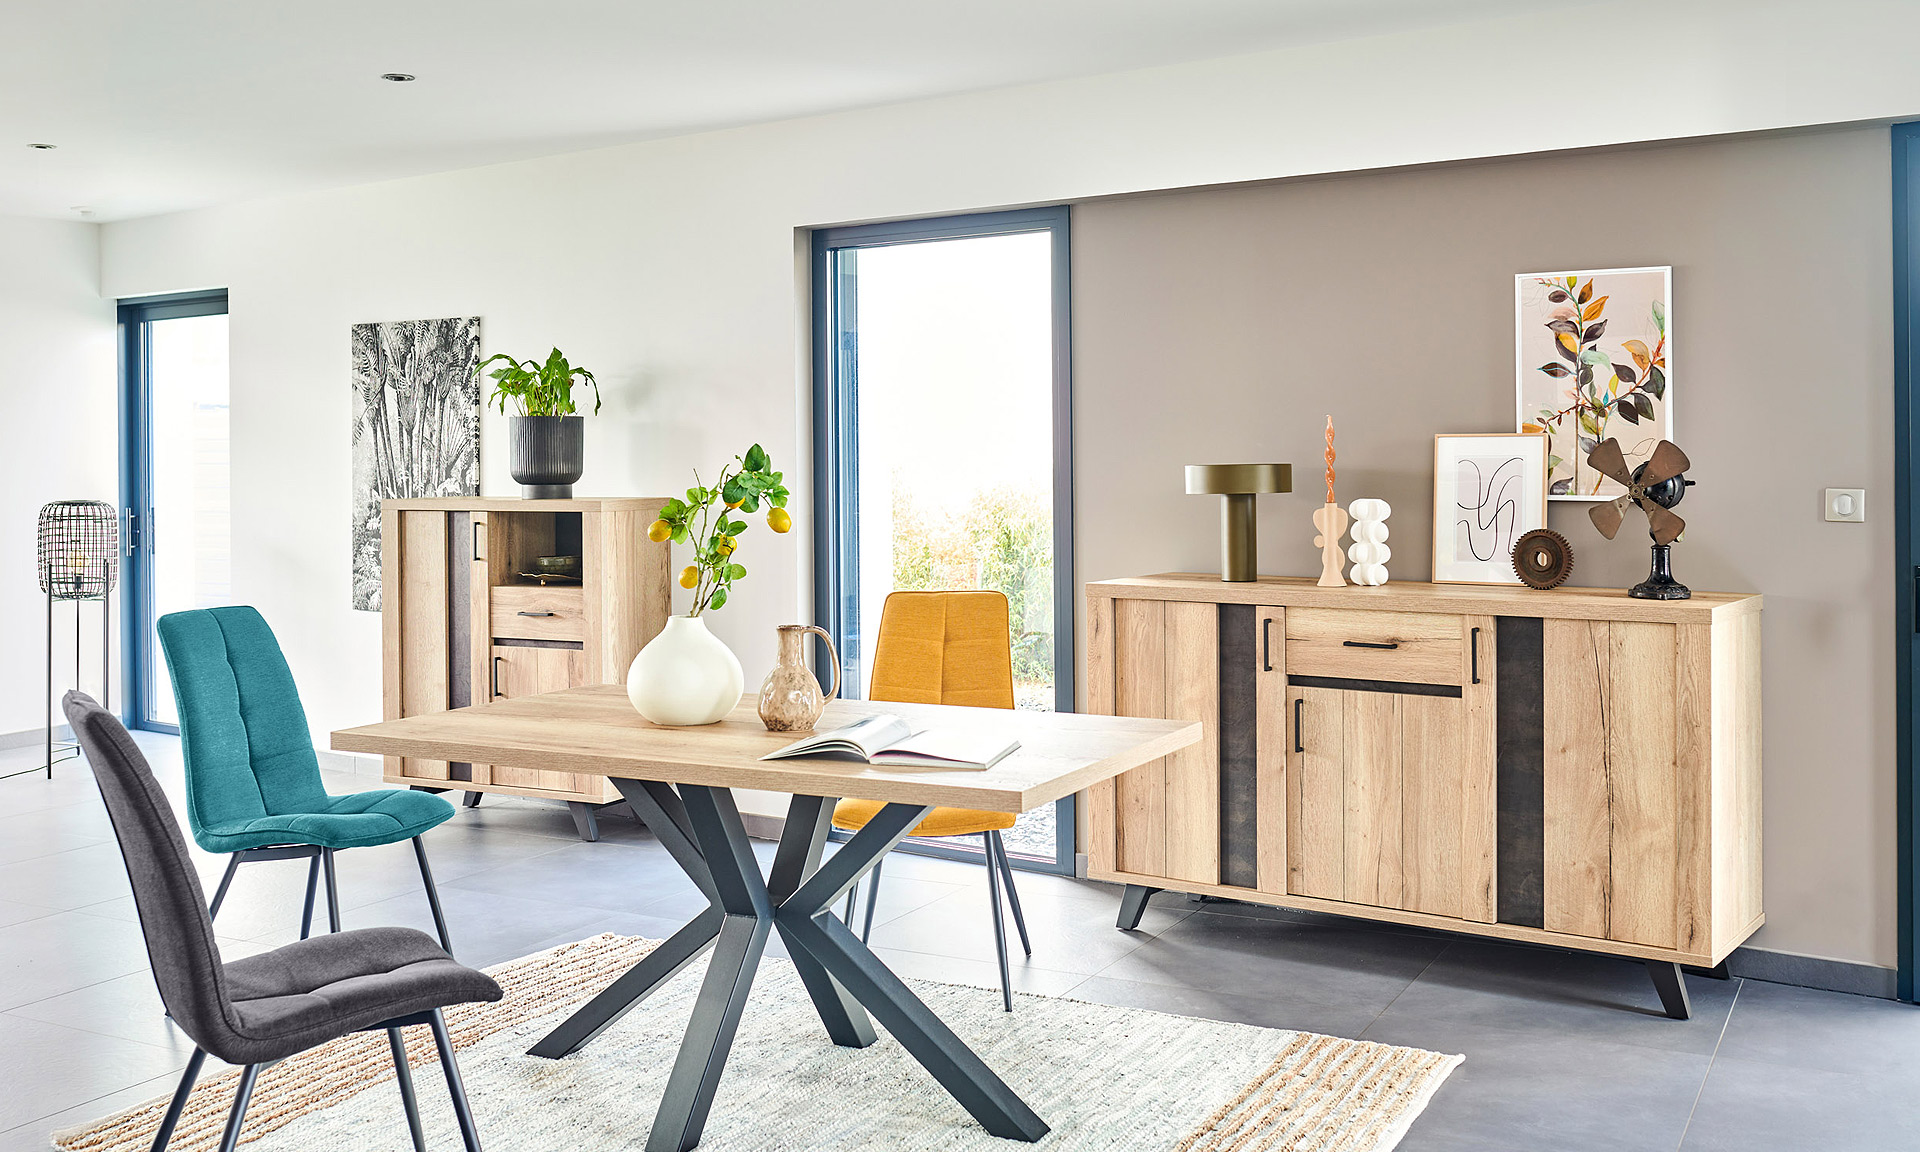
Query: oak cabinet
[463, 624]
[1571, 767]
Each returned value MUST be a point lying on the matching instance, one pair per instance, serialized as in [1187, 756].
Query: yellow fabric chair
[946, 648]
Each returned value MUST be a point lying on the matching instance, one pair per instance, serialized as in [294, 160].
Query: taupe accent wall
[1224, 324]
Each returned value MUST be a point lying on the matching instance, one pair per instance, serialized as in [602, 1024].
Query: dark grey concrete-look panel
[1563, 1051]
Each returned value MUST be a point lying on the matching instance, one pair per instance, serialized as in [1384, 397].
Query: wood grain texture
[522, 671]
[1436, 812]
[530, 612]
[1479, 770]
[1428, 645]
[1373, 798]
[1140, 689]
[479, 621]
[594, 730]
[1274, 721]
[1577, 822]
[1736, 783]
[1193, 773]
[1102, 834]
[1692, 815]
[391, 673]
[1317, 816]
[420, 595]
[1409, 596]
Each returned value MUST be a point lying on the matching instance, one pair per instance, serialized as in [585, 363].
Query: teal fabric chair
[253, 781]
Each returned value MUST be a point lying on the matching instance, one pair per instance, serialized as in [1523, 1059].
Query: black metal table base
[701, 828]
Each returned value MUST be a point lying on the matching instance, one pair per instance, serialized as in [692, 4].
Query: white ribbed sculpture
[1369, 551]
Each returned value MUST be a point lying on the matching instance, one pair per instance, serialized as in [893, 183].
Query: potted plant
[686, 675]
[546, 442]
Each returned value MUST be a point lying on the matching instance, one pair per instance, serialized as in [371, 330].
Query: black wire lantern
[79, 561]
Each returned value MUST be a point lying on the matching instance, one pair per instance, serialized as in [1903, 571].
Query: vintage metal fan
[1654, 487]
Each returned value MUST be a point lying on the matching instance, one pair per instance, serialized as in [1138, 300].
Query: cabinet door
[1382, 791]
[524, 670]
[1166, 665]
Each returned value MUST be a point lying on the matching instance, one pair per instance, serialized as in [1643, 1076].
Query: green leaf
[719, 598]
[756, 459]
[1660, 316]
[779, 500]
[1594, 356]
[679, 533]
[736, 571]
[1656, 383]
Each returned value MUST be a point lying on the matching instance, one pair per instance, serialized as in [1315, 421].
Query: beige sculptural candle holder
[1330, 521]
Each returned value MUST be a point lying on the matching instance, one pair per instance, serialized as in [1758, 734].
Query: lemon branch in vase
[706, 520]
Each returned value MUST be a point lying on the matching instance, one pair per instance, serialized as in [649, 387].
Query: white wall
[57, 360]
[671, 268]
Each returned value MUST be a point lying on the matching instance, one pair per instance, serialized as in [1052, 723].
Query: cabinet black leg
[1133, 905]
[1717, 972]
[585, 820]
[473, 799]
[1671, 983]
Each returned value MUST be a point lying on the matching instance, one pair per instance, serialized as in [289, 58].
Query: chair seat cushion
[355, 820]
[852, 815]
[312, 991]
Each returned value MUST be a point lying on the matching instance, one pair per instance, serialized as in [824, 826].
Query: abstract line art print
[1488, 491]
[416, 426]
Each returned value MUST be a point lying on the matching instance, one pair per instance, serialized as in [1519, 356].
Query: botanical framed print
[1593, 359]
[1488, 491]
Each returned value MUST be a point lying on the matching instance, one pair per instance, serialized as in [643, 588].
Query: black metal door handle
[1266, 644]
[1474, 641]
[1370, 644]
[524, 612]
[477, 526]
[496, 676]
[1297, 702]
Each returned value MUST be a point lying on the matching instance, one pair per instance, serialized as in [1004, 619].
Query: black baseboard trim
[1814, 972]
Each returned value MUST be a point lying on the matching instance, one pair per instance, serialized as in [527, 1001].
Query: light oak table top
[595, 730]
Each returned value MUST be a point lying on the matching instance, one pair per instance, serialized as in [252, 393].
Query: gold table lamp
[1238, 484]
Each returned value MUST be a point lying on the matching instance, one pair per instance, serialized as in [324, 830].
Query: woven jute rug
[1102, 1077]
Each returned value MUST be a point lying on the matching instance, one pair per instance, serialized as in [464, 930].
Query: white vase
[685, 676]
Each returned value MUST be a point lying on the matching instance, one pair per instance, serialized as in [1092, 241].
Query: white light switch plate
[1847, 505]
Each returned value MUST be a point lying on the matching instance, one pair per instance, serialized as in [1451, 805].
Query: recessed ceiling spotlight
[43, 147]
[81, 210]
[398, 77]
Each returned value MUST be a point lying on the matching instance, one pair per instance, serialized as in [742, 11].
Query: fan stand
[1660, 584]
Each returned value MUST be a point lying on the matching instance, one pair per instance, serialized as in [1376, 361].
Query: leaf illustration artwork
[1592, 354]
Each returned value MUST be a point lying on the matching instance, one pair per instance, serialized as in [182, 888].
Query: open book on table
[891, 742]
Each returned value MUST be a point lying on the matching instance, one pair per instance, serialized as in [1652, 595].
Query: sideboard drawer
[1411, 647]
[530, 612]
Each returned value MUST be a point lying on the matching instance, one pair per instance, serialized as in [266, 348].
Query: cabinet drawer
[530, 612]
[1411, 647]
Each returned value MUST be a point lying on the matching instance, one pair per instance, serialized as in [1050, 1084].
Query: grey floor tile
[58, 953]
[65, 880]
[486, 928]
[1073, 936]
[612, 877]
[48, 1068]
[1276, 1008]
[1807, 1028]
[1543, 991]
[31, 834]
[127, 1007]
[36, 1135]
[1748, 1104]
[1561, 1091]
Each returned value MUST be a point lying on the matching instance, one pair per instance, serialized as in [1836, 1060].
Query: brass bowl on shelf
[557, 565]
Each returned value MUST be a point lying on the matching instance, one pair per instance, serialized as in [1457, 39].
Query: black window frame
[836, 449]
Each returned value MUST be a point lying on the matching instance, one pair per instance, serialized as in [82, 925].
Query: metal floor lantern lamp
[79, 561]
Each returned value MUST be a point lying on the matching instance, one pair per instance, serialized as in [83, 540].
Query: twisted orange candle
[1329, 459]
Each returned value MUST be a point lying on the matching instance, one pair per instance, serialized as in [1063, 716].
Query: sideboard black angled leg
[1133, 905]
[1671, 983]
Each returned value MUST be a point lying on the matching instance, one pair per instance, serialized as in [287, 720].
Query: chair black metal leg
[179, 1102]
[1133, 905]
[633, 986]
[1671, 983]
[226, 881]
[469, 1133]
[584, 820]
[313, 888]
[873, 899]
[1013, 894]
[241, 1095]
[846, 913]
[404, 1076]
[333, 890]
[433, 895]
[999, 929]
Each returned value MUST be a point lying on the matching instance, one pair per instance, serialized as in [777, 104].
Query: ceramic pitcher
[791, 700]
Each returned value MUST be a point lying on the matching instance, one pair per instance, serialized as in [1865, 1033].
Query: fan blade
[1666, 462]
[1665, 526]
[1606, 517]
[1609, 461]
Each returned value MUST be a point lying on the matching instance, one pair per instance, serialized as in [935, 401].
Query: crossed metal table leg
[701, 828]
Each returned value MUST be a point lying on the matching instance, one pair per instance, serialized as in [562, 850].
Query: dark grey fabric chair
[261, 1009]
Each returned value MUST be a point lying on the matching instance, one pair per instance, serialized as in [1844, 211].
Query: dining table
[680, 782]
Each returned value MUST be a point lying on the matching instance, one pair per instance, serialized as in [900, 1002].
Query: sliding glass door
[175, 465]
[942, 449]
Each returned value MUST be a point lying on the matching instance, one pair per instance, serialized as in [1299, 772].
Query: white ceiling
[160, 105]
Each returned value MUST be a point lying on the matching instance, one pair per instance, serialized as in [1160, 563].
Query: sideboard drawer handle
[524, 612]
[1370, 644]
[1297, 702]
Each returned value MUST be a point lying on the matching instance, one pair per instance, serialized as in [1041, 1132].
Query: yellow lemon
[779, 520]
[735, 503]
[726, 546]
[689, 576]
[659, 531]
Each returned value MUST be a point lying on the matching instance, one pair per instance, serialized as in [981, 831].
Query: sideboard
[463, 622]
[1573, 768]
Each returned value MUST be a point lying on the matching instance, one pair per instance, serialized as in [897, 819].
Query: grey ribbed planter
[546, 454]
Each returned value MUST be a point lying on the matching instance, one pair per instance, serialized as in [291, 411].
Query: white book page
[863, 738]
